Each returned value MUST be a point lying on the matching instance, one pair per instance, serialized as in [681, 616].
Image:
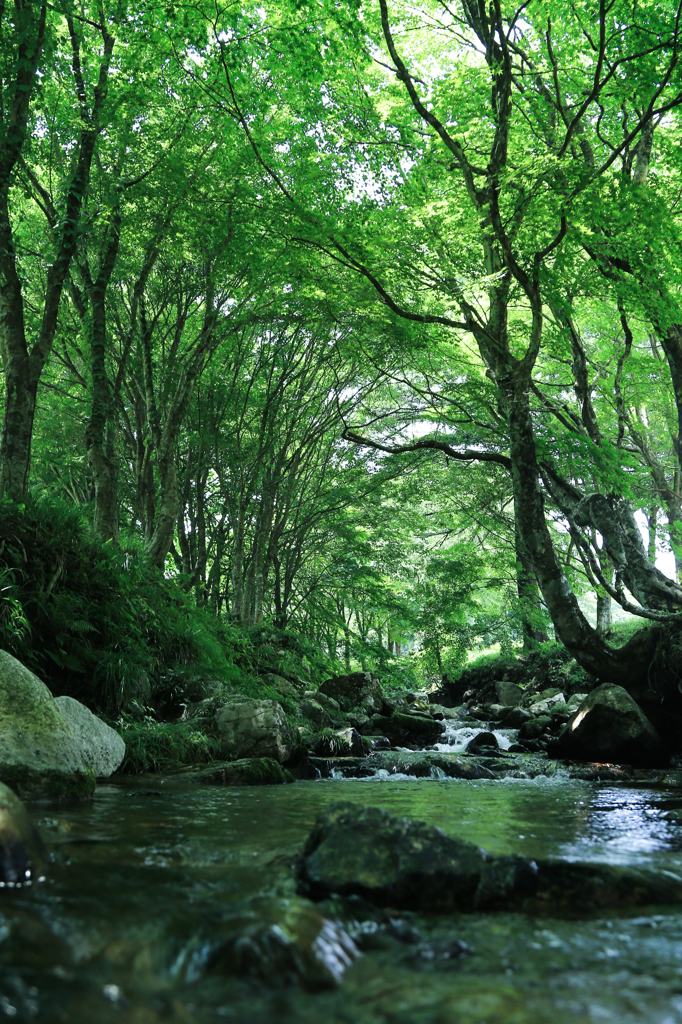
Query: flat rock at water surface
[355, 690]
[50, 747]
[421, 764]
[402, 729]
[406, 864]
[23, 857]
[609, 726]
[255, 728]
[247, 771]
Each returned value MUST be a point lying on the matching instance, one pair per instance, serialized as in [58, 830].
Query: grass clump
[97, 622]
[164, 746]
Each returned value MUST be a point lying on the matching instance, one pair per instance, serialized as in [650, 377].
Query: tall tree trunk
[166, 511]
[629, 665]
[529, 598]
[604, 619]
[101, 433]
[238, 570]
[23, 368]
[21, 387]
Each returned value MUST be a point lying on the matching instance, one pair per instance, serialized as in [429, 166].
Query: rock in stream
[410, 865]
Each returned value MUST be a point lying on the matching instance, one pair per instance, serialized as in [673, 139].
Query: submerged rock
[284, 941]
[255, 728]
[355, 690]
[609, 726]
[411, 865]
[23, 857]
[402, 729]
[45, 752]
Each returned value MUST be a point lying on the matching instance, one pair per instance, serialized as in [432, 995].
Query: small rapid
[457, 736]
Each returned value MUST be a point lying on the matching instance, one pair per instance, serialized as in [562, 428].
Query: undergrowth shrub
[95, 621]
[162, 746]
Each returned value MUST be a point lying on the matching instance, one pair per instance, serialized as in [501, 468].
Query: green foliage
[96, 622]
[162, 746]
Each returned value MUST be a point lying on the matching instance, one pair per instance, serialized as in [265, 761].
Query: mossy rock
[247, 771]
[60, 787]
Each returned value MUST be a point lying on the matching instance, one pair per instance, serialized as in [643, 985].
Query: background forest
[346, 331]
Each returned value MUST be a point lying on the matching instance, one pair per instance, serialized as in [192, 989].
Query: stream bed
[145, 875]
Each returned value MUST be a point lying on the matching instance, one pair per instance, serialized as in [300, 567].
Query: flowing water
[145, 875]
[456, 736]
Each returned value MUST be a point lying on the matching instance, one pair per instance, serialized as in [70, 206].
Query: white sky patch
[665, 560]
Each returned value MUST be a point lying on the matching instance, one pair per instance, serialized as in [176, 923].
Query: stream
[145, 875]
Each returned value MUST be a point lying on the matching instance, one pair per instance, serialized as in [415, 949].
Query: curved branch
[468, 455]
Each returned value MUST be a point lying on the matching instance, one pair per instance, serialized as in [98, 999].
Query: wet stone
[408, 864]
[482, 741]
[402, 729]
[285, 941]
[23, 857]
[247, 771]
[609, 726]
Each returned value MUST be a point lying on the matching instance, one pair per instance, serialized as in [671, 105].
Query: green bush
[98, 623]
[162, 746]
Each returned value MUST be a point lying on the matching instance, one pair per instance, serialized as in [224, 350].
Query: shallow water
[144, 875]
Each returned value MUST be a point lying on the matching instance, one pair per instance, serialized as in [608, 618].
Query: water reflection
[146, 872]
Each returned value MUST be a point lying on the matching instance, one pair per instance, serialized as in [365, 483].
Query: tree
[524, 155]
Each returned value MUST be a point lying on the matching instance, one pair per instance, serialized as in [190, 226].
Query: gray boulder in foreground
[33, 731]
[101, 748]
[410, 865]
[609, 726]
[255, 728]
[50, 748]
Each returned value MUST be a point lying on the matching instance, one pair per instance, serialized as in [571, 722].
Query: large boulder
[23, 857]
[101, 748]
[509, 694]
[411, 865]
[46, 753]
[355, 690]
[403, 730]
[316, 713]
[547, 706]
[610, 726]
[255, 728]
